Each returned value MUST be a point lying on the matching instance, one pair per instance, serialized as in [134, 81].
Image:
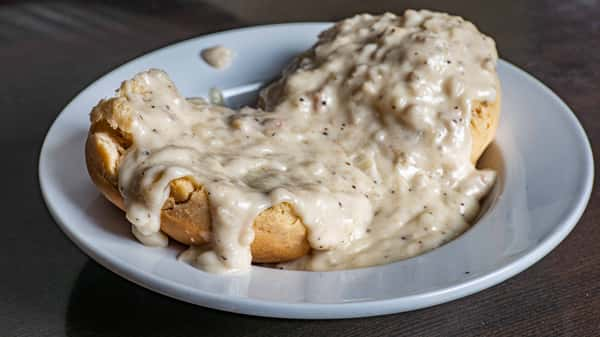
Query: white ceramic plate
[541, 151]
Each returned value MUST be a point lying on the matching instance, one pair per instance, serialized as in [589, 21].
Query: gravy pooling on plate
[366, 135]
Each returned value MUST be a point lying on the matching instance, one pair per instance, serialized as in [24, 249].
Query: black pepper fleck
[354, 186]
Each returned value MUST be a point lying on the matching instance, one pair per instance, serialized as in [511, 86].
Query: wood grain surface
[49, 51]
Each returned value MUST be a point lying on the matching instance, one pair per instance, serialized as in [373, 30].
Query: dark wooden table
[49, 51]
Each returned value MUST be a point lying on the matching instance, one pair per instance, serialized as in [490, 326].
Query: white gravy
[218, 57]
[366, 135]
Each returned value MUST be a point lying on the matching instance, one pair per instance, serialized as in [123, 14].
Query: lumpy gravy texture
[366, 135]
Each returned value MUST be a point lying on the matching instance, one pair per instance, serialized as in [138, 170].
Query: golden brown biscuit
[280, 234]
[484, 122]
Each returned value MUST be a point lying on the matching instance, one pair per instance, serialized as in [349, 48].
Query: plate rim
[304, 310]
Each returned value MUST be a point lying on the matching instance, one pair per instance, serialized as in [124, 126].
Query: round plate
[546, 173]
